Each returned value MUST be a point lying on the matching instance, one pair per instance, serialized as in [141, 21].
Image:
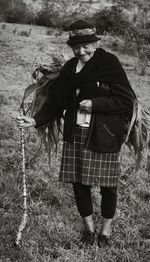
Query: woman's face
[84, 51]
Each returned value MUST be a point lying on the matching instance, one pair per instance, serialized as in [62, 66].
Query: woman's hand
[25, 121]
[86, 105]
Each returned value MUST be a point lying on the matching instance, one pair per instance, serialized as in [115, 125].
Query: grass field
[53, 227]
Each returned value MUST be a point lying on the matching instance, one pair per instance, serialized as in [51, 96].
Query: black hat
[82, 31]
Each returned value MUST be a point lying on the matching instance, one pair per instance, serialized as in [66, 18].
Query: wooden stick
[24, 218]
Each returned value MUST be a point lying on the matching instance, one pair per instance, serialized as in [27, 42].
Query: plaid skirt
[81, 165]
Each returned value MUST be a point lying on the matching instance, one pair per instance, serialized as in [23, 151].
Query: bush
[4, 5]
[135, 39]
[110, 20]
[16, 12]
[19, 15]
[52, 14]
[60, 13]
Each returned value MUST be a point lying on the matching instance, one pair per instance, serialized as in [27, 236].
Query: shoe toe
[103, 240]
[87, 238]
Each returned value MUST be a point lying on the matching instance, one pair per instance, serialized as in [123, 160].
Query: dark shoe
[87, 238]
[103, 240]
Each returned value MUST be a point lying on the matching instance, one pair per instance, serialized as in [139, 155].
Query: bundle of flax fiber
[35, 96]
[138, 135]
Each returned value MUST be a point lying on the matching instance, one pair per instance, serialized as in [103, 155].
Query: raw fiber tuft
[138, 136]
[35, 96]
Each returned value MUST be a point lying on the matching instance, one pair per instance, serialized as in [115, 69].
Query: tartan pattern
[81, 165]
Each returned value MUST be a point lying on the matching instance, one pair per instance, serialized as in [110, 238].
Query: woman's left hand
[86, 105]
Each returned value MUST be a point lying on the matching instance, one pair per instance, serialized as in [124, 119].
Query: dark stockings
[84, 201]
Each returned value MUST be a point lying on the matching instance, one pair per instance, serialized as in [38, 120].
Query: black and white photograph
[74, 131]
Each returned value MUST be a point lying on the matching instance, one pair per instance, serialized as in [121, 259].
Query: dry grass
[53, 227]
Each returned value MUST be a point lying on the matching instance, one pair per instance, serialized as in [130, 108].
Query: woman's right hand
[25, 121]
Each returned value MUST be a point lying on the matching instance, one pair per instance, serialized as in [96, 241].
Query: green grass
[54, 226]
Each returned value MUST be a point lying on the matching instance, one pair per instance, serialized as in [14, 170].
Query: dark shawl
[102, 67]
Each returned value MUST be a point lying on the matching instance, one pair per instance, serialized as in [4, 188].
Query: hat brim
[83, 39]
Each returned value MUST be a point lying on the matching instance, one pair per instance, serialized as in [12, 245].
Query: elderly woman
[95, 94]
